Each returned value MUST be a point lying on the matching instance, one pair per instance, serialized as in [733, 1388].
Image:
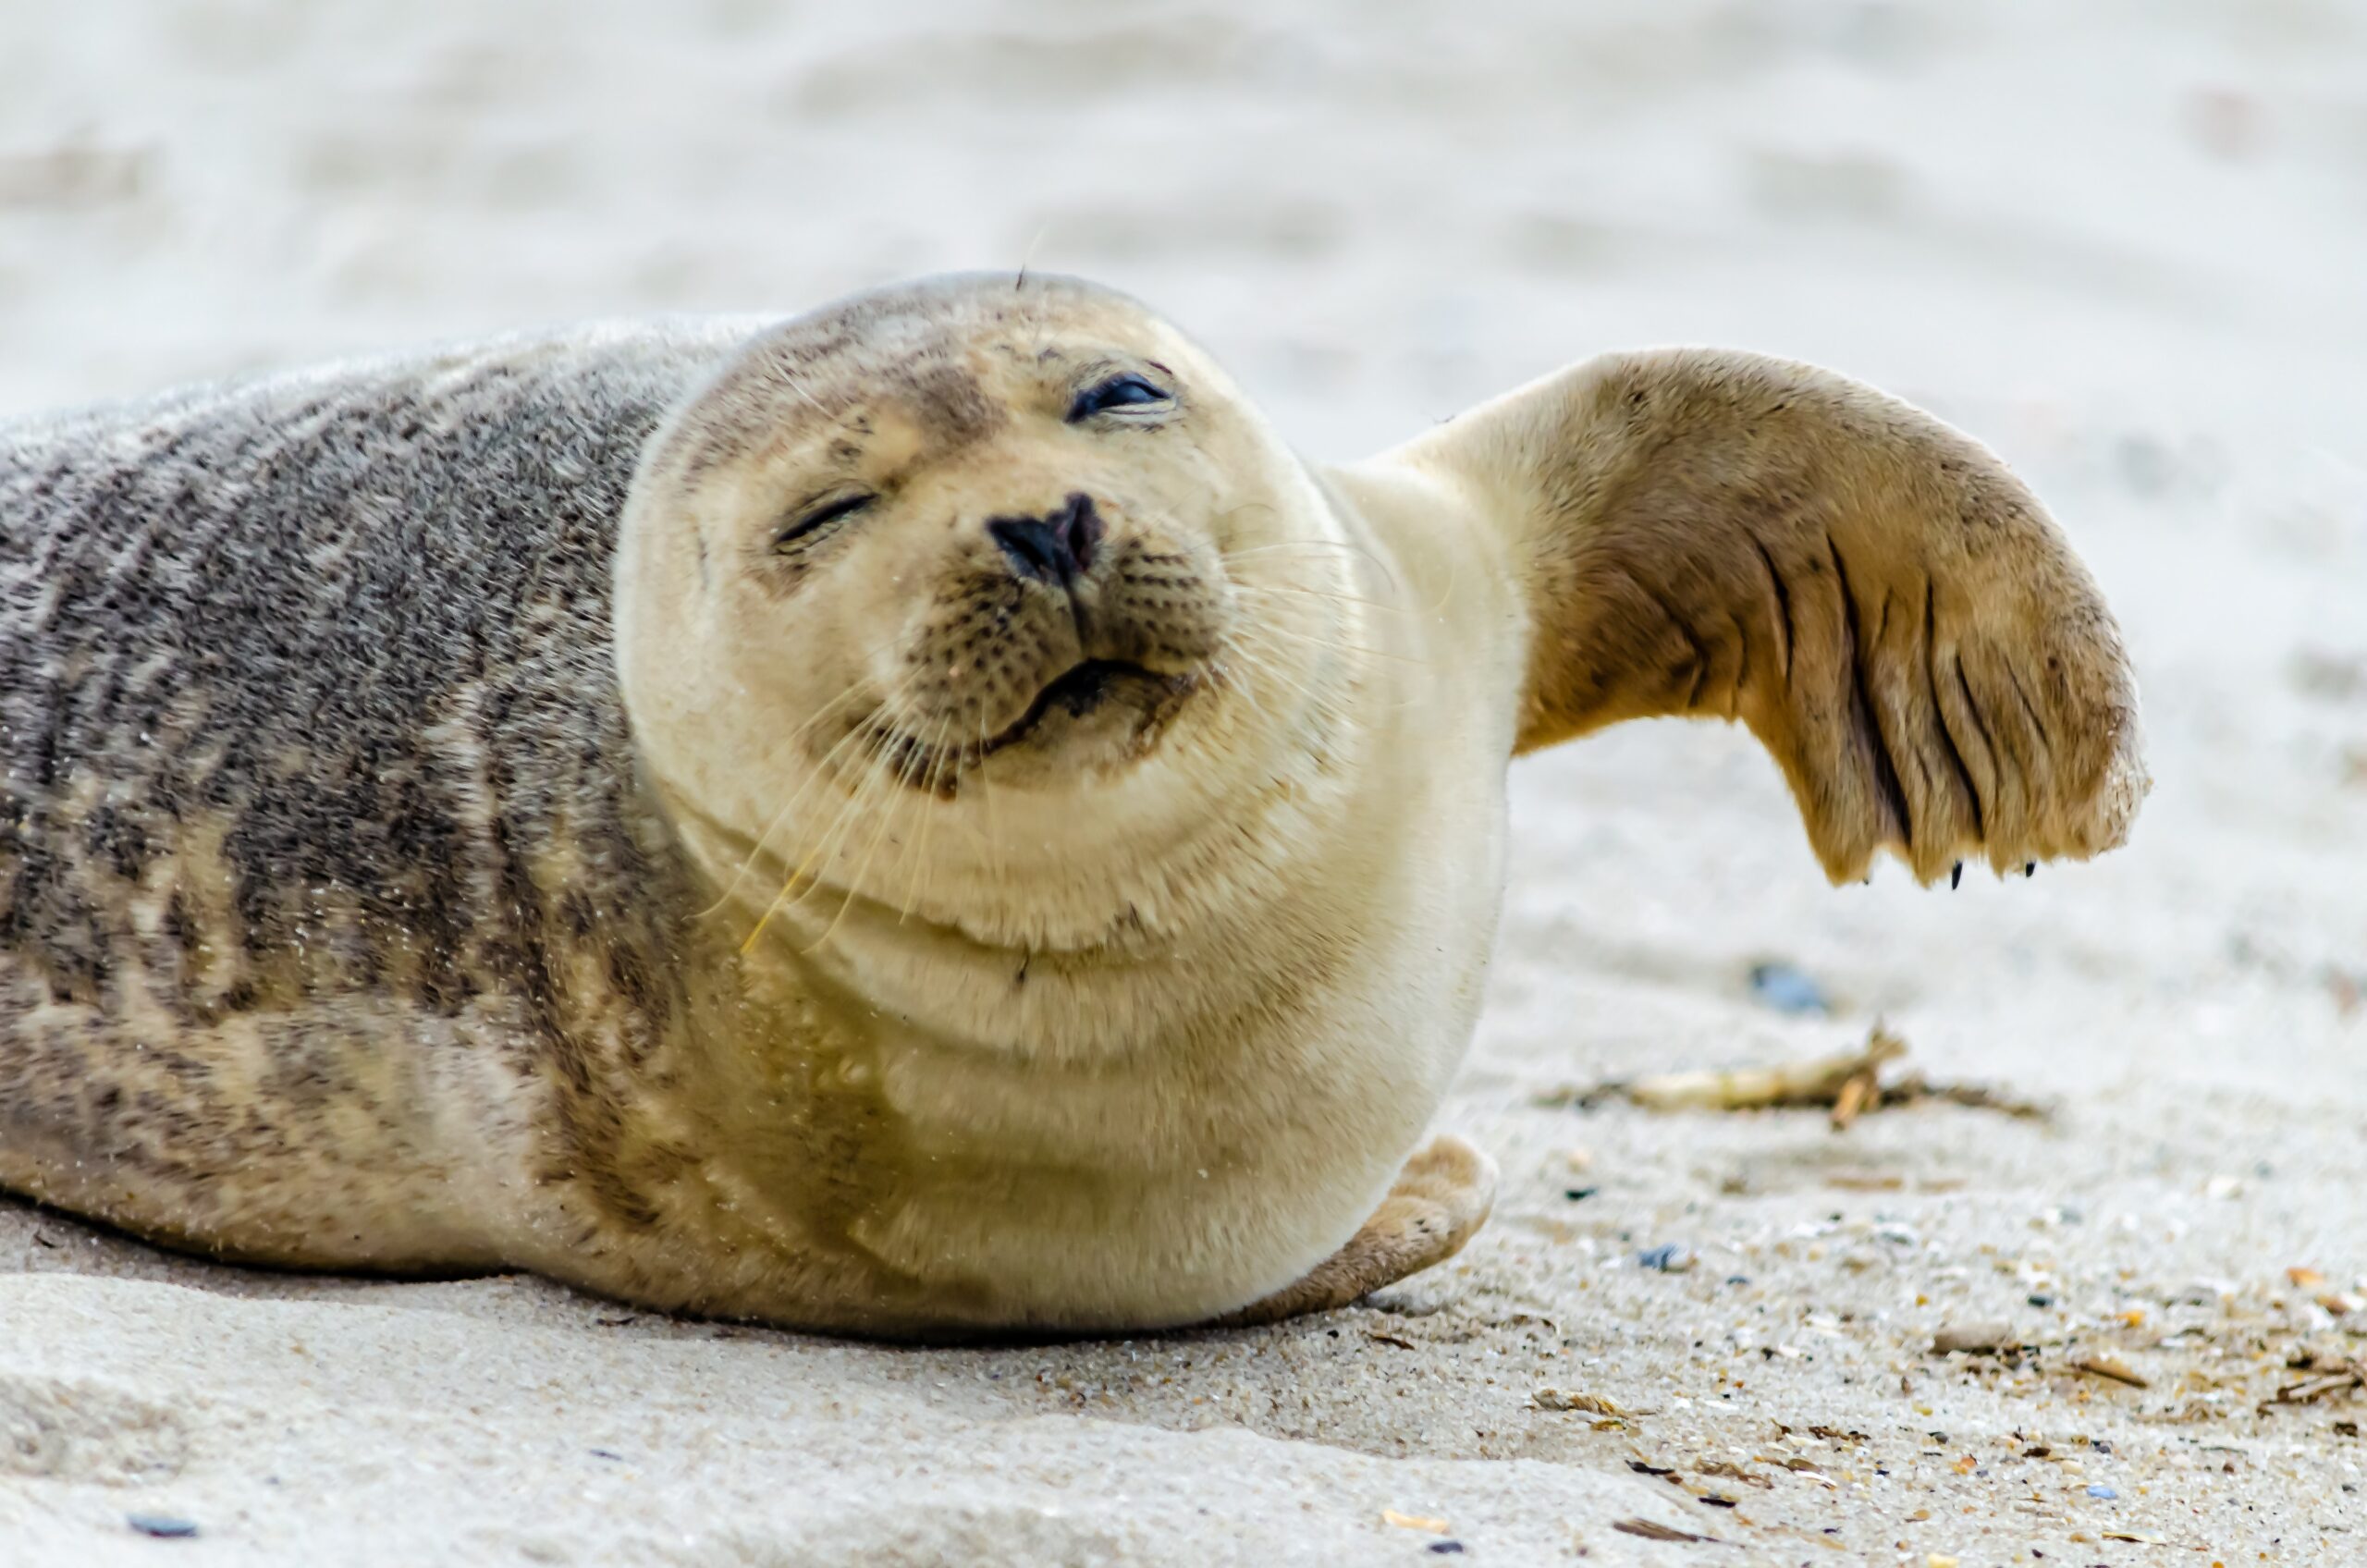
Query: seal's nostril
[1081, 525]
[1035, 547]
[1055, 548]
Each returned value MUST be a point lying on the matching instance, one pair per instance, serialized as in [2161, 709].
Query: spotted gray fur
[306, 700]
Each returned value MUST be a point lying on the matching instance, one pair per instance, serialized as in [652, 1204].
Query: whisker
[928, 820]
[1349, 546]
[1325, 593]
[756, 850]
[1255, 668]
[994, 829]
[847, 894]
[1346, 647]
[1020, 284]
[788, 743]
[1332, 699]
[829, 843]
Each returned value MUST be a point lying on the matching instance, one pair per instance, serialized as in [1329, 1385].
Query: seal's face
[962, 538]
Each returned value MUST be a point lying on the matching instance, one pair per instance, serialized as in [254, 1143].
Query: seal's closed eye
[1118, 391]
[816, 516]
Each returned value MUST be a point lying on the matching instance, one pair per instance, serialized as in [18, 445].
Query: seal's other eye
[820, 515]
[1118, 392]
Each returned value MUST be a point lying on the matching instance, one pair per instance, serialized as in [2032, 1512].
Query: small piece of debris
[1817, 1082]
[1641, 1468]
[2113, 1367]
[1669, 1259]
[1847, 1086]
[74, 176]
[2309, 1391]
[1413, 1522]
[1736, 1472]
[1787, 989]
[2305, 1278]
[2105, 1492]
[1444, 1548]
[1974, 1339]
[1391, 1340]
[2335, 676]
[1856, 1092]
[1593, 1404]
[1652, 1531]
[2141, 1540]
[163, 1527]
[1938, 1559]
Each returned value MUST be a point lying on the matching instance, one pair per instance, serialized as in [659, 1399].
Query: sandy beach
[2122, 244]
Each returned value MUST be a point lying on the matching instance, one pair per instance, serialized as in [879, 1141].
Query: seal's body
[919, 818]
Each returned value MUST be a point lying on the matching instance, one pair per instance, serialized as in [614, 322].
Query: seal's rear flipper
[1886, 606]
[1439, 1202]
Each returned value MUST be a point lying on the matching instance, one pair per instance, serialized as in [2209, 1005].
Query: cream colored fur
[1158, 1030]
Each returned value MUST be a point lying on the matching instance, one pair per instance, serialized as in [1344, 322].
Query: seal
[923, 818]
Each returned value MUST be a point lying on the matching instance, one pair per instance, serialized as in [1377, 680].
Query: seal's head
[1014, 552]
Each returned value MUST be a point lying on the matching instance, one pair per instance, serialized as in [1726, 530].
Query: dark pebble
[1447, 1548]
[1579, 1194]
[2042, 1301]
[162, 1525]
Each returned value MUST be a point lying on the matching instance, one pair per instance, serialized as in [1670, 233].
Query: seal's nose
[1055, 548]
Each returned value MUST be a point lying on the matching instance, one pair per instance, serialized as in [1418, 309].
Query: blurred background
[2123, 241]
[2142, 217]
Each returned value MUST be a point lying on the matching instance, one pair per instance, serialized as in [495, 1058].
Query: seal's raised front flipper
[1886, 606]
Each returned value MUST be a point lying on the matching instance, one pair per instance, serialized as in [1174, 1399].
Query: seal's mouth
[1076, 691]
[1124, 702]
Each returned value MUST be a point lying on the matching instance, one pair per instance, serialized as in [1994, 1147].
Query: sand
[2123, 243]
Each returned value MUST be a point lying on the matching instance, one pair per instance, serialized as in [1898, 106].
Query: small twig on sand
[1848, 1085]
[2112, 1369]
[2311, 1390]
[1818, 1082]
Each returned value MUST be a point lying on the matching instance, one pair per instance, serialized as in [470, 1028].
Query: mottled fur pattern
[621, 805]
[316, 805]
